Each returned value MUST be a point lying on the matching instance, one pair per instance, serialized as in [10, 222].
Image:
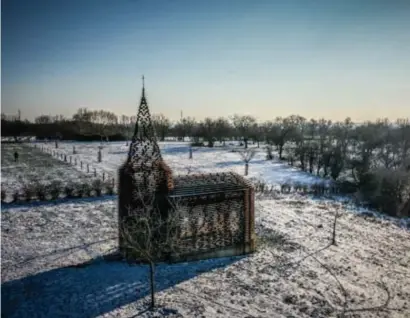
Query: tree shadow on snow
[93, 289]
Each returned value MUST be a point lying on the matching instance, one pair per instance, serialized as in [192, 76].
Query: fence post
[81, 164]
[95, 172]
[103, 176]
[88, 167]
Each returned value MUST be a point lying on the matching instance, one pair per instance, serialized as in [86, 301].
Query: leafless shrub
[109, 187]
[247, 155]
[55, 189]
[69, 190]
[83, 190]
[98, 186]
[260, 186]
[150, 238]
[298, 187]
[16, 196]
[286, 187]
[29, 191]
[318, 188]
[41, 191]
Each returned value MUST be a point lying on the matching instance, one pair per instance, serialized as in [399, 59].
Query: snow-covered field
[366, 275]
[34, 166]
[176, 154]
[52, 264]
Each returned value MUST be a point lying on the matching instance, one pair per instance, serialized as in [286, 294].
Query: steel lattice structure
[217, 208]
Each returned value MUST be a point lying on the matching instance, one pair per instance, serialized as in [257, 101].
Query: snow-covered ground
[366, 275]
[52, 264]
[176, 154]
[34, 166]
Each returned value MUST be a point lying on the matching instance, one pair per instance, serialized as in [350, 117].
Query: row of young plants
[37, 191]
[317, 189]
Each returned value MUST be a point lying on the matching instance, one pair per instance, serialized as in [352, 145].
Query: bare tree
[43, 119]
[223, 129]
[281, 131]
[257, 132]
[103, 122]
[184, 128]
[247, 155]
[162, 125]
[127, 127]
[324, 141]
[403, 137]
[207, 130]
[149, 238]
[244, 125]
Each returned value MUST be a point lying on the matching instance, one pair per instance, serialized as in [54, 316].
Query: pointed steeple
[144, 142]
[143, 126]
[143, 86]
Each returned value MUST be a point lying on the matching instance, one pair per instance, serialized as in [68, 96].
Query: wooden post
[88, 167]
[95, 172]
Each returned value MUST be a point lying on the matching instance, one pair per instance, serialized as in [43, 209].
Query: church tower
[144, 178]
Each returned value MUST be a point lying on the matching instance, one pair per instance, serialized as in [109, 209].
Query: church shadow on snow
[94, 289]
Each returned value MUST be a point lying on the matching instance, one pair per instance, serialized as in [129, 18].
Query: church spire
[143, 86]
[144, 141]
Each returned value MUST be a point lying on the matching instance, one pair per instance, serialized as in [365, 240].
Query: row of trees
[372, 155]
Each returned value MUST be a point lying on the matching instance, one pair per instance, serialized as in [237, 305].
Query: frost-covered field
[52, 262]
[33, 166]
[176, 154]
[366, 275]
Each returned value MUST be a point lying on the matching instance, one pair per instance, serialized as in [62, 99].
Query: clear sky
[323, 58]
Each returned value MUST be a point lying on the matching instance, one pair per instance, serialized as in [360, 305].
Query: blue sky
[212, 58]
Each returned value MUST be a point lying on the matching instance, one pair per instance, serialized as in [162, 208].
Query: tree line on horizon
[374, 156]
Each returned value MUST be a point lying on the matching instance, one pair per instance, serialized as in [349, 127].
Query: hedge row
[37, 191]
[318, 188]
